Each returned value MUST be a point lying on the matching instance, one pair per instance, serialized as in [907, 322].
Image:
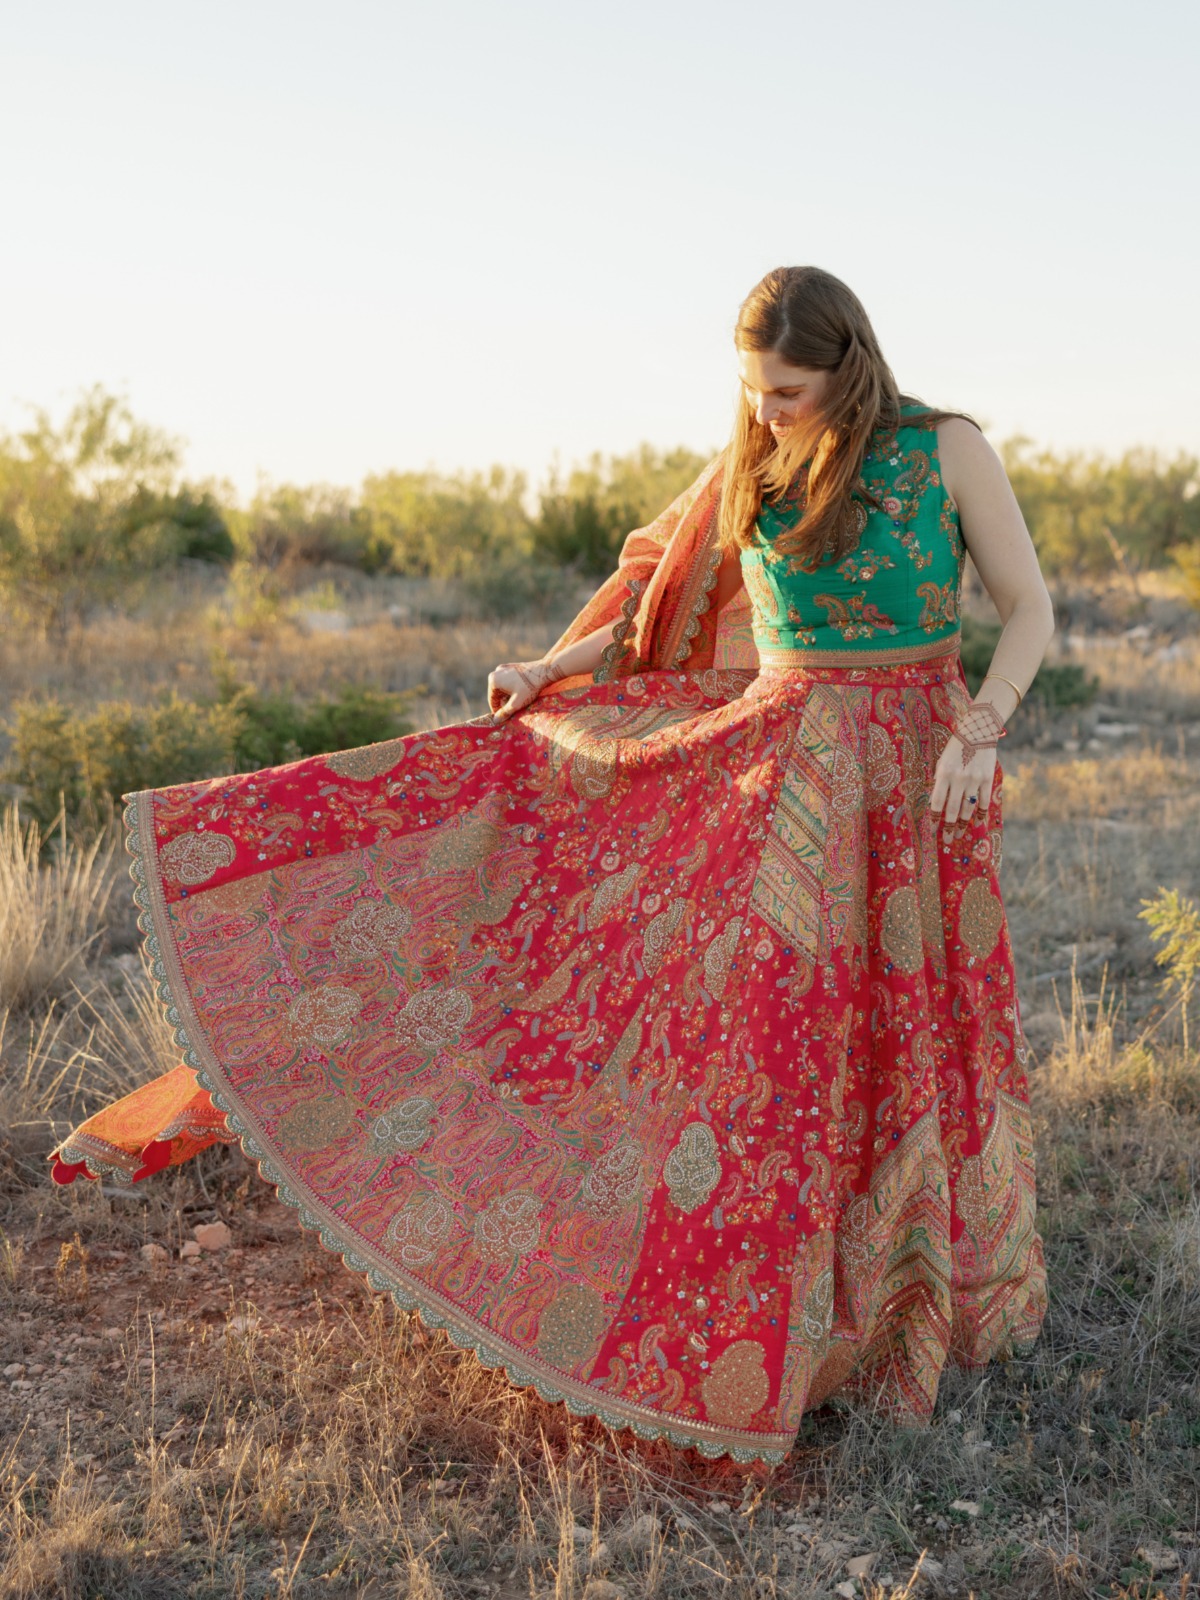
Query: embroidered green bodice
[897, 590]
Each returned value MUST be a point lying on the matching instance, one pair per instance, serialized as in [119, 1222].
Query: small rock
[213, 1235]
[602, 1589]
[1158, 1558]
[969, 1508]
[931, 1570]
[860, 1566]
[244, 1324]
[153, 1253]
[22, 1385]
[15, 1369]
[642, 1532]
[581, 1535]
[189, 1251]
[112, 1333]
[848, 1591]
[720, 1508]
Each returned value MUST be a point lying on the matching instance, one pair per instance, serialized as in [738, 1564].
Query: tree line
[93, 507]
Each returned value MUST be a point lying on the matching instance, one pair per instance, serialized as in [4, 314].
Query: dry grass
[257, 1423]
[51, 914]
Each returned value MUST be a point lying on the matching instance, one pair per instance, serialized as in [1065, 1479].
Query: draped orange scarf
[660, 599]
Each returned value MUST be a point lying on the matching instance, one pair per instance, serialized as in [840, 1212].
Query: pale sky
[318, 241]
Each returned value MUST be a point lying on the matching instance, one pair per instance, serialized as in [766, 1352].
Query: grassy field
[253, 1421]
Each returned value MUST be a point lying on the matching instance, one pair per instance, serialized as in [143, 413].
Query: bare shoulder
[966, 456]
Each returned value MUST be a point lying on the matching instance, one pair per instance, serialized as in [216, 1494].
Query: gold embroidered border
[611, 653]
[694, 599]
[777, 656]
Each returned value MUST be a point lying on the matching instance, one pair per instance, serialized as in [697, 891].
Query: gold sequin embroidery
[195, 857]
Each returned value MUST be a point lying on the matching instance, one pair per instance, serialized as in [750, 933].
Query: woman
[657, 1034]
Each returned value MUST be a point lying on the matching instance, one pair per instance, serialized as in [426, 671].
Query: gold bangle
[1008, 681]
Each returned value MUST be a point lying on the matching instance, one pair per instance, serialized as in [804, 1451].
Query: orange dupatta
[659, 600]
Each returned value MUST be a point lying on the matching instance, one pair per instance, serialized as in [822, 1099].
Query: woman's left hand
[959, 793]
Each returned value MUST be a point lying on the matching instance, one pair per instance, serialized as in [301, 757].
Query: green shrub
[1057, 684]
[83, 762]
[274, 728]
[517, 588]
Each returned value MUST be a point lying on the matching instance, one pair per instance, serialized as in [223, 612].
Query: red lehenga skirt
[659, 1045]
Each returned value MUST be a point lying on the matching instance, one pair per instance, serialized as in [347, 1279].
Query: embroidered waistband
[885, 655]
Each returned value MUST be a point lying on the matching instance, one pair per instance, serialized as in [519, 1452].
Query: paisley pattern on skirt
[656, 1044]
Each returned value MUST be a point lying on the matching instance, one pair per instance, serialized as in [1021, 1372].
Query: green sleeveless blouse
[895, 597]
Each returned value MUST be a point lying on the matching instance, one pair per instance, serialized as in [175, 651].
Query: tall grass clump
[52, 908]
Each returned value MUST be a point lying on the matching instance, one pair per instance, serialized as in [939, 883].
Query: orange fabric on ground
[161, 1124]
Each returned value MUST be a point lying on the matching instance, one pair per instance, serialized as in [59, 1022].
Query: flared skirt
[658, 1044]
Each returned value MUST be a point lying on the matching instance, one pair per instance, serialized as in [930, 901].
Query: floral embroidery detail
[193, 858]
[323, 1015]
[460, 849]
[718, 958]
[659, 934]
[611, 892]
[817, 1316]
[613, 1179]
[693, 1168]
[313, 1124]
[900, 930]
[404, 1126]
[508, 1227]
[422, 1230]
[737, 1385]
[854, 617]
[367, 761]
[372, 928]
[437, 1015]
[980, 918]
[571, 1325]
[861, 566]
[941, 605]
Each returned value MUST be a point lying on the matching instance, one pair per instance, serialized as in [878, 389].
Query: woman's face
[778, 393]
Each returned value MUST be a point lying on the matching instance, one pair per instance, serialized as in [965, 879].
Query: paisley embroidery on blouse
[861, 566]
[941, 605]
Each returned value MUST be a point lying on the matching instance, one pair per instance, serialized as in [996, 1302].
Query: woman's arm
[514, 685]
[996, 536]
[1003, 553]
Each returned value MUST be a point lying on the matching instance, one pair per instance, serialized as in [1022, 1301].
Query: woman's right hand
[513, 685]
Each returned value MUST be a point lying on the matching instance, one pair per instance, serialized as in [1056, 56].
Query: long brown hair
[811, 319]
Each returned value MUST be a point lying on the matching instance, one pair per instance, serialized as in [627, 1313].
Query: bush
[272, 729]
[583, 523]
[1057, 684]
[82, 763]
[429, 525]
[518, 588]
[289, 529]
